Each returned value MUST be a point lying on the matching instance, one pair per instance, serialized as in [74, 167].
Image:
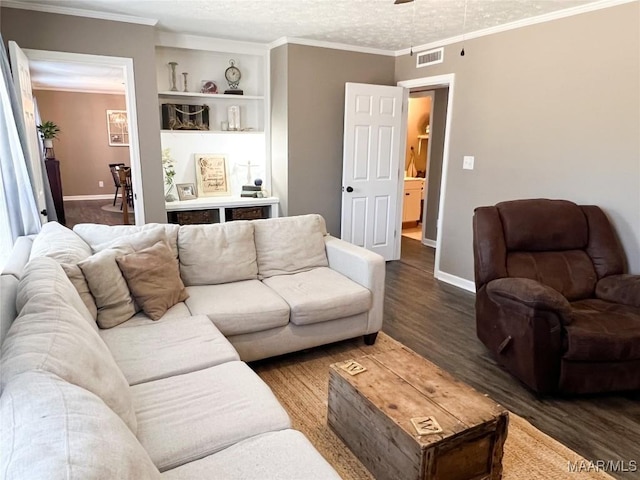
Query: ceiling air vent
[430, 57]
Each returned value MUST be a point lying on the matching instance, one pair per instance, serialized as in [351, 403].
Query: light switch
[467, 162]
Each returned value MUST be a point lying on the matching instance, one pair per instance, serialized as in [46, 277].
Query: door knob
[44, 212]
[349, 189]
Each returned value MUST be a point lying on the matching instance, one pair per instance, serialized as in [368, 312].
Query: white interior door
[22, 80]
[373, 141]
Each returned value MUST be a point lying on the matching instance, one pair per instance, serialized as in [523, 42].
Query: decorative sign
[426, 425]
[352, 367]
[211, 175]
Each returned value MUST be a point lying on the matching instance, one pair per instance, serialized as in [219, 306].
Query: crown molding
[197, 42]
[78, 12]
[547, 17]
[323, 44]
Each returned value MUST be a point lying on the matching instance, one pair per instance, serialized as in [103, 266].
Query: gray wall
[279, 126]
[549, 110]
[315, 79]
[436, 141]
[63, 33]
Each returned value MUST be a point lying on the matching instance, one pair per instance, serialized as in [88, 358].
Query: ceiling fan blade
[400, 2]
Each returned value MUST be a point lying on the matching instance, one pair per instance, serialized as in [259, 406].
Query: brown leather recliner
[553, 303]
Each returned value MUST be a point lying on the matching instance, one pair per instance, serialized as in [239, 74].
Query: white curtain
[18, 209]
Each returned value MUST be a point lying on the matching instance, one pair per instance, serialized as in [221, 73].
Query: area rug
[115, 209]
[300, 381]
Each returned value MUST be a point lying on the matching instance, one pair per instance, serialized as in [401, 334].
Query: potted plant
[49, 131]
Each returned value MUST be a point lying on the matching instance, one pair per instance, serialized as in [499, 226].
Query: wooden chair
[115, 167]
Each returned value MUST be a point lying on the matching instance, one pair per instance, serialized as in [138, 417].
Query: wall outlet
[467, 162]
[101, 184]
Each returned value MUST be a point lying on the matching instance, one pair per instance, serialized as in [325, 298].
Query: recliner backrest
[556, 242]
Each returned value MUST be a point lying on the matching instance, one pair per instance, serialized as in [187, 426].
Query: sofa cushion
[67, 248]
[282, 455]
[219, 253]
[101, 236]
[320, 295]
[60, 243]
[179, 310]
[44, 275]
[50, 335]
[239, 307]
[169, 347]
[53, 429]
[153, 278]
[290, 244]
[188, 417]
[602, 331]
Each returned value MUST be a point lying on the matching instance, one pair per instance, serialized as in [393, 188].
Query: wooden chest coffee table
[372, 413]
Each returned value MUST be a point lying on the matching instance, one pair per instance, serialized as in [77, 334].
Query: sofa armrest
[363, 267]
[19, 256]
[624, 289]
[529, 294]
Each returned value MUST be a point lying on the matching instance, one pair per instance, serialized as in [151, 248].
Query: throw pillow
[108, 287]
[153, 277]
[74, 273]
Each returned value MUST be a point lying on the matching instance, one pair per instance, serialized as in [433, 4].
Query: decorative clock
[233, 76]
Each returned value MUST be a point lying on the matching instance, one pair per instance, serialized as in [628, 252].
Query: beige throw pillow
[153, 277]
[108, 287]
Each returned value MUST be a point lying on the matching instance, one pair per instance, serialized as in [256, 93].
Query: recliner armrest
[624, 289]
[529, 293]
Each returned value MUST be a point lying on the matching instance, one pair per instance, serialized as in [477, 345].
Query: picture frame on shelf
[211, 175]
[186, 191]
[118, 128]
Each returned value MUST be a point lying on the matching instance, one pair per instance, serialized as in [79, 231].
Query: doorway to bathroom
[426, 128]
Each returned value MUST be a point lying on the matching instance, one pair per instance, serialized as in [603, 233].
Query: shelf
[218, 202]
[214, 132]
[213, 96]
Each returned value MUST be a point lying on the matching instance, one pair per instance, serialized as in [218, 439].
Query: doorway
[95, 74]
[434, 155]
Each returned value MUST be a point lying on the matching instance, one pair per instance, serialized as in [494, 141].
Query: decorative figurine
[184, 74]
[173, 66]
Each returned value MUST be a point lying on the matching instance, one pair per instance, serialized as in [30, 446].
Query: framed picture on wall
[211, 175]
[118, 128]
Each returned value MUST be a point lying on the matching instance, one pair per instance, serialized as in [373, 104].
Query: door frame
[126, 64]
[447, 80]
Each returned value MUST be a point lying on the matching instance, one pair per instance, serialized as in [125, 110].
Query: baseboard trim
[74, 198]
[456, 281]
[428, 242]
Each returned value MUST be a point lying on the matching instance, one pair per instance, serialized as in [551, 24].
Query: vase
[173, 66]
[48, 148]
[168, 194]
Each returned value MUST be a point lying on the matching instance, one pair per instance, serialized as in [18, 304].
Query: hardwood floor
[437, 320]
[90, 211]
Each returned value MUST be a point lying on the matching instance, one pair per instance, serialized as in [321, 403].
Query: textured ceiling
[366, 23]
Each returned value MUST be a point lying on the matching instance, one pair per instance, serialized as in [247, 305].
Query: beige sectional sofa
[171, 397]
